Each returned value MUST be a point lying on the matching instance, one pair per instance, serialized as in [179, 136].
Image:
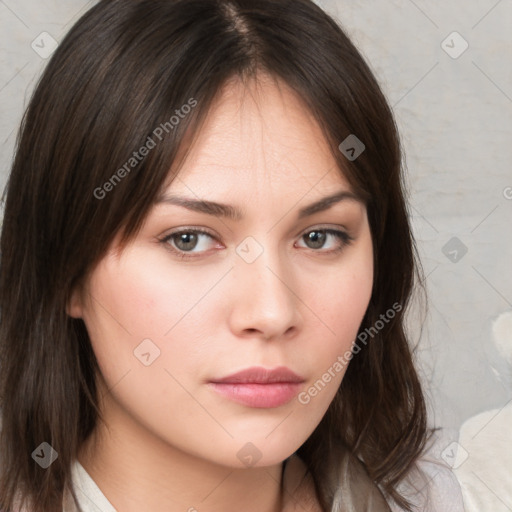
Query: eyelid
[341, 233]
[326, 227]
[188, 229]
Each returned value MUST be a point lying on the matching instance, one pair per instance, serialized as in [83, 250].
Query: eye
[318, 238]
[192, 242]
[188, 240]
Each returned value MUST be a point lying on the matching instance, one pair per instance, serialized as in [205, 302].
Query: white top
[436, 491]
[484, 465]
[90, 498]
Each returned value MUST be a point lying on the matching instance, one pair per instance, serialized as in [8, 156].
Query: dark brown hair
[122, 71]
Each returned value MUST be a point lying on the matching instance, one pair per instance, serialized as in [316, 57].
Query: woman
[206, 260]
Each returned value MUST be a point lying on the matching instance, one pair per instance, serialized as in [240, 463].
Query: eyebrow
[235, 214]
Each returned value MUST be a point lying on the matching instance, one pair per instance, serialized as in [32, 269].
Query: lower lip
[258, 395]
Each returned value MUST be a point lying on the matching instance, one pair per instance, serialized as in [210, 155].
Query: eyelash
[342, 236]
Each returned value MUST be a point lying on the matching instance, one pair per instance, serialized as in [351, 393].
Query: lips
[259, 387]
[260, 375]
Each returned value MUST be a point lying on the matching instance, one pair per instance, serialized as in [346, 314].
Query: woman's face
[278, 277]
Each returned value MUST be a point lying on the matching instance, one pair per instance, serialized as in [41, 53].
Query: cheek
[140, 312]
[344, 294]
[340, 303]
[144, 322]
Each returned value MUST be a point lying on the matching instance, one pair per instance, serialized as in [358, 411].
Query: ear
[74, 306]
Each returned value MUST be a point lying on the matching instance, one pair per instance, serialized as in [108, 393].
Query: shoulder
[346, 482]
[431, 485]
[484, 468]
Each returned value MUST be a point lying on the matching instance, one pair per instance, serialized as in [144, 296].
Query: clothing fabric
[89, 495]
[484, 461]
[433, 486]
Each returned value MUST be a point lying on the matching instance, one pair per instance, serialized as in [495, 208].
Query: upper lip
[260, 375]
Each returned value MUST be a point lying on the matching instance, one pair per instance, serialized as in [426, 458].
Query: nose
[264, 302]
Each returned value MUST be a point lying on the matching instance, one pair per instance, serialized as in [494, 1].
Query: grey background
[455, 117]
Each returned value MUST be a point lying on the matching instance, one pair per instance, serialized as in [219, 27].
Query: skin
[170, 442]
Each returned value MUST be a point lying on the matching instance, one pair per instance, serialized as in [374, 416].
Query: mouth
[258, 387]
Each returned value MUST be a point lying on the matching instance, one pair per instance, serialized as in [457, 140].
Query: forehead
[259, 134]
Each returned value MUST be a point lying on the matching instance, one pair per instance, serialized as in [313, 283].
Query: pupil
[317, 238]
[186, 241]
